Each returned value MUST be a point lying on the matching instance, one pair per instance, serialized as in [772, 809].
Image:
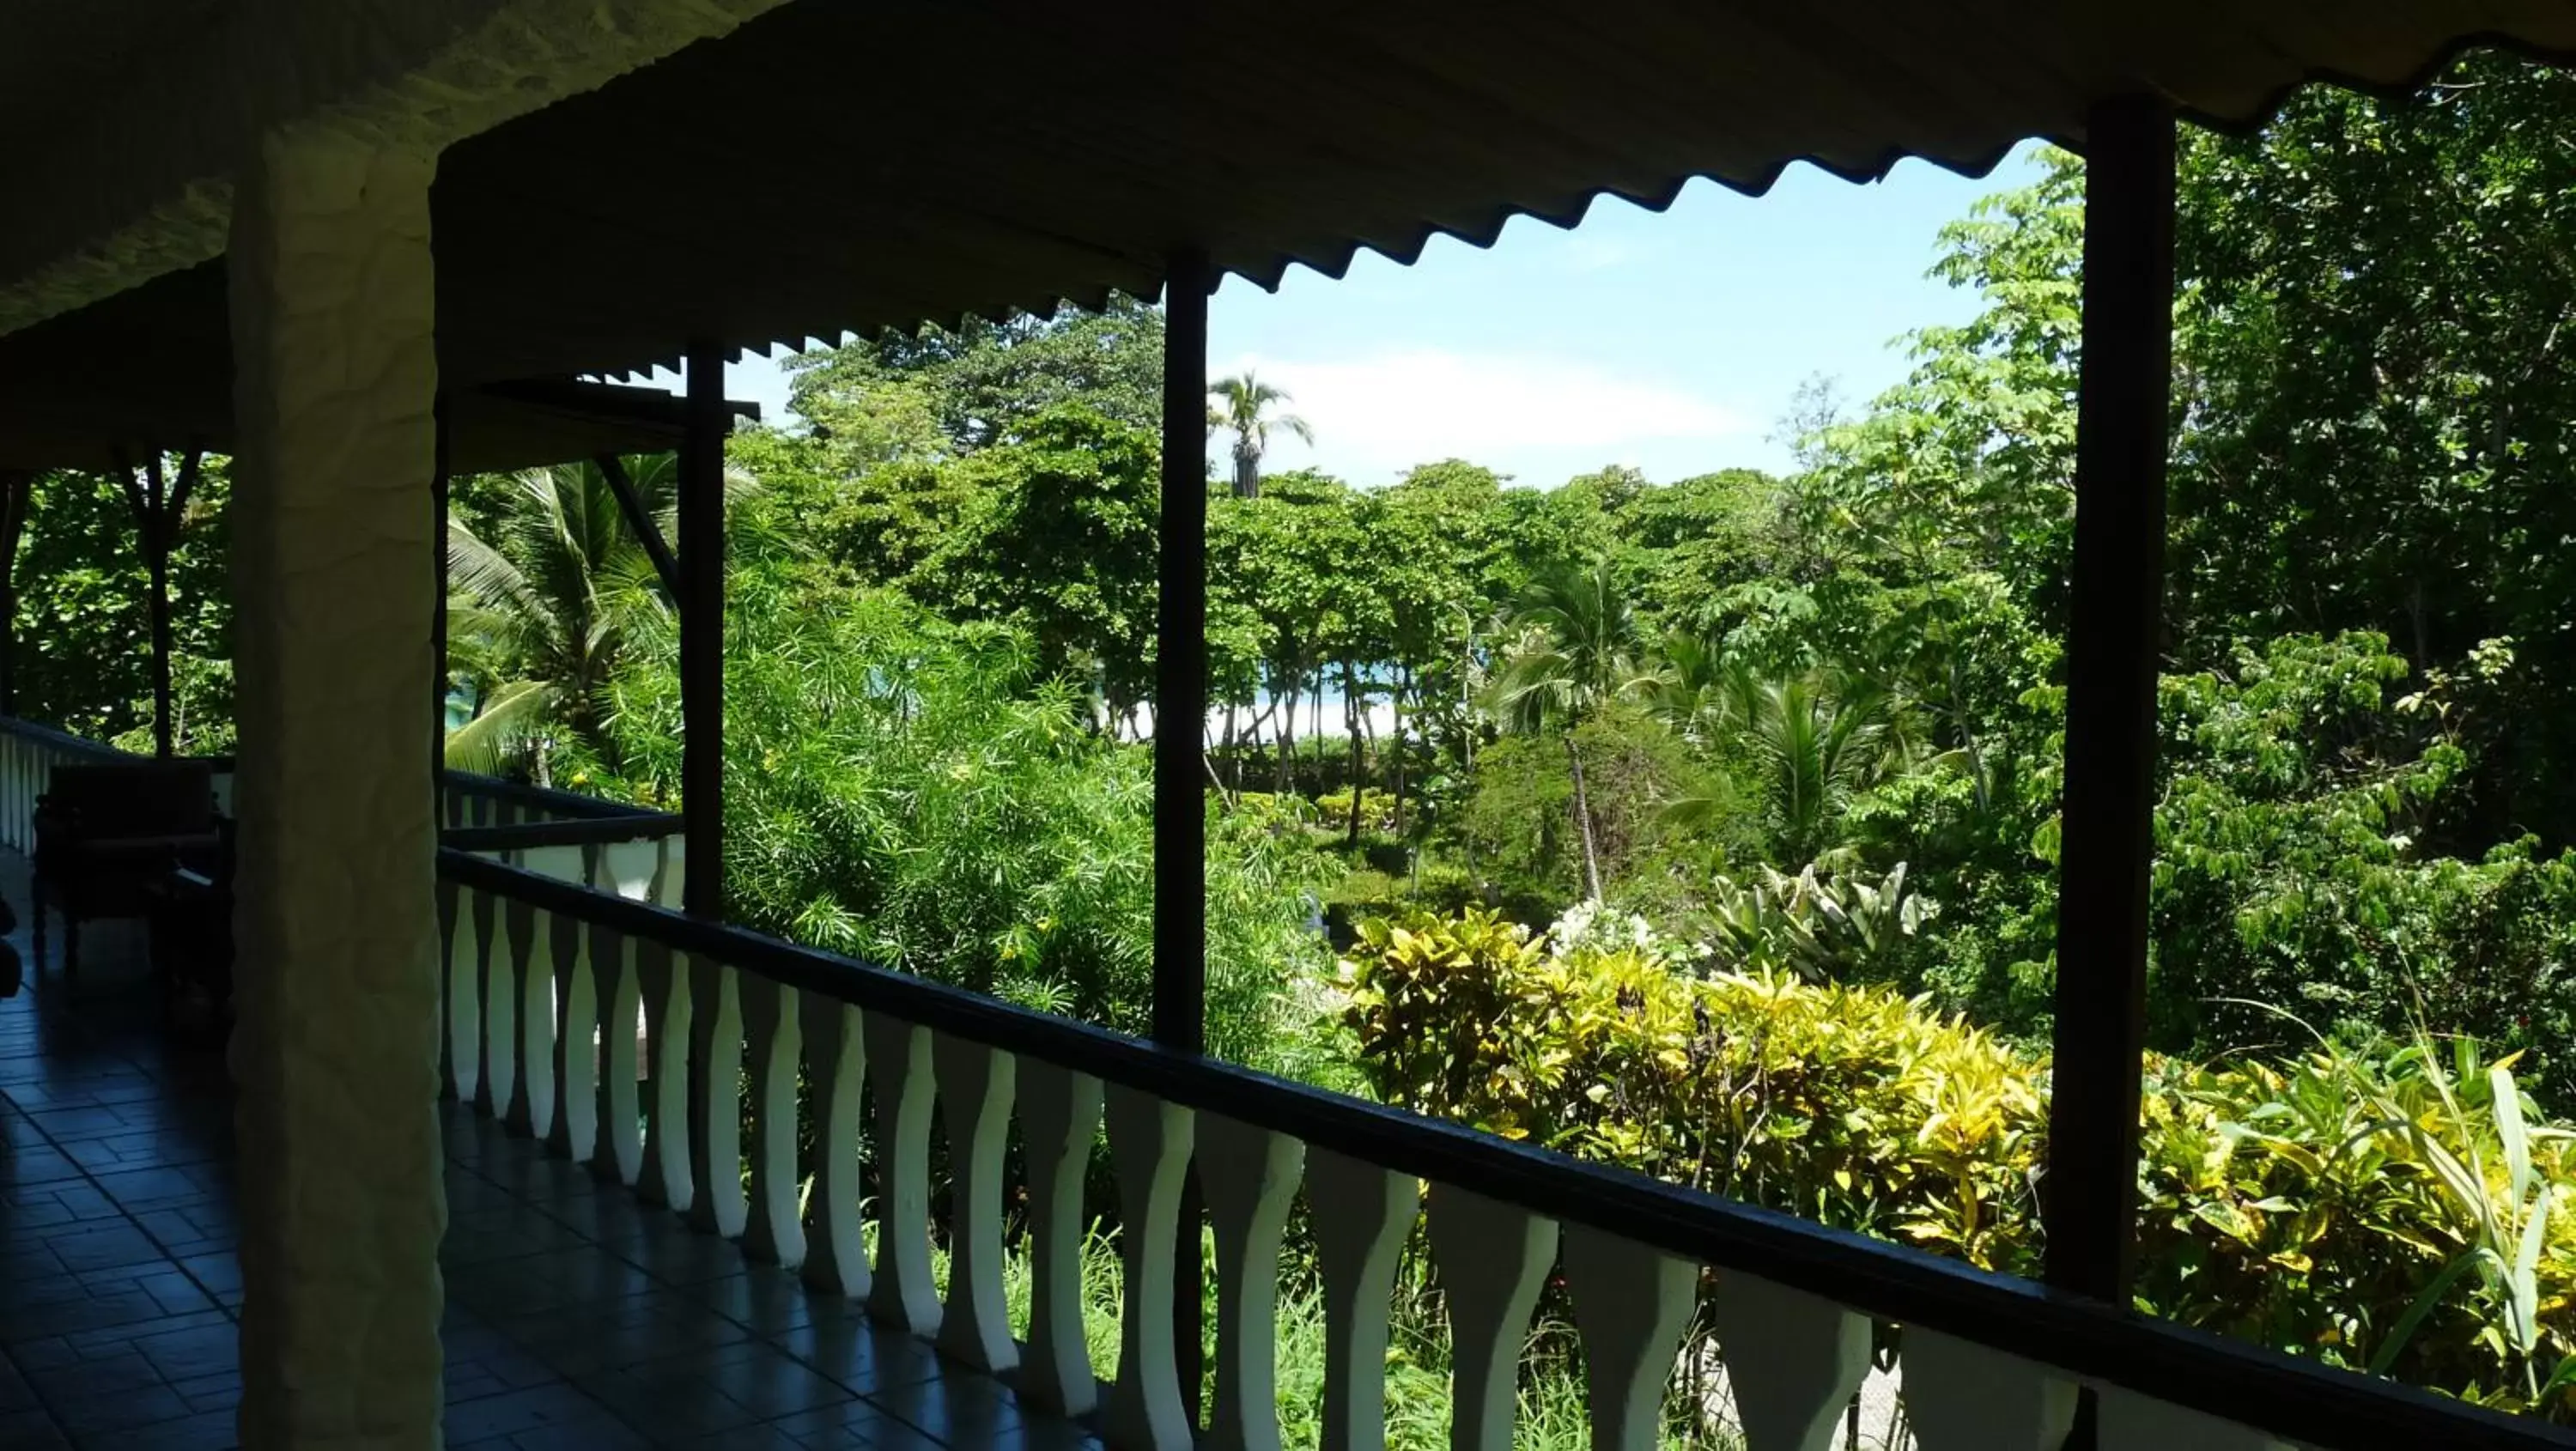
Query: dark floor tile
[32, 1431]
[211, 1430]
[513, 1412]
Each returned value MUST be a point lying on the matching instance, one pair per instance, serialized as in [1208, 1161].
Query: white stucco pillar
[336, 1052]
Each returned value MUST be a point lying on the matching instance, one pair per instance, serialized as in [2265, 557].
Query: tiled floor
[576, 1318]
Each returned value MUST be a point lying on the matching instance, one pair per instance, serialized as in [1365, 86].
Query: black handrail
[2297, 1399]
[593, 831]
[563, 804]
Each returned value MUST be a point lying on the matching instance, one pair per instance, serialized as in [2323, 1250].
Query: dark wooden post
[1180, 720]
[16, 487]
[2116, 598]
[702, 564]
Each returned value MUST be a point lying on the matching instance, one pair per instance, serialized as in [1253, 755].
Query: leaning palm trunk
[1583, 820]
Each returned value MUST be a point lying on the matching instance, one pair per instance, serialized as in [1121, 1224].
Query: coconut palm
[1243, 408]
[1576, 637]
[539, 612]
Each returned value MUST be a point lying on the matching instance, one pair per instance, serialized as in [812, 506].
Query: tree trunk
[1583, 819]
[1287, 736]
[1247, 474]
[1359, 767]
[1395, 738]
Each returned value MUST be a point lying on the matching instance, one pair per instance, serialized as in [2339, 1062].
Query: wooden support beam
[1180, 671]
[701, 567]
[2113, 624]
[1180, 726]
[649, 534]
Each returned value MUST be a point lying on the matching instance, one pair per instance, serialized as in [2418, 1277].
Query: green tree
[1575, 639]
[544, 600]
[84, 649]
[1244, 408]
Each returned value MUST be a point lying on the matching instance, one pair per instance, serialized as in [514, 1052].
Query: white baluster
[448, 892]
[2132, 1422]
[574, 1134]
[1493, 1259]
[1961, 1396]
[836, 1256]
[1362, 1214]
[1249, 1176]
[1632, 1303]
[502, 966]
[1059, 1116]
[563, 863]
[1149, 1146]
[618, 1155]
[532, 1006]
[628, 867]
[975, 1083]
[1792, 1359]
[715, 1099]
[899, 1070]
[769, 1017]
[662, 981]
[670, 871]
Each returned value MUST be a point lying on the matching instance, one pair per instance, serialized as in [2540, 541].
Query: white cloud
[1377, 415]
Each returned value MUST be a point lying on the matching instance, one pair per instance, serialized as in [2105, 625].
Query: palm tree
[1815, 741]
[1577, 635]
[539, 613]
[1243, 407]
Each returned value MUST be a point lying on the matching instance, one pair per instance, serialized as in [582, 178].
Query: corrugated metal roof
[840, 166]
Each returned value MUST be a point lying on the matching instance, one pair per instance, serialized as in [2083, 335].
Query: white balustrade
[1493, 1259]
[1059, 1118]
[1961, 1396]
[448, 912]
[573, 1132]
[1631, 1303]
[530, 955]
[836, 1257]
[618, 1153]
[494, 1022]
[899, 1073]
[662, 983]
[1249, 1176]
[715, 1099]
[1149, 1146]
[1361, 1214]
[975, 1083]
[1792, 1359]
[773, 1234]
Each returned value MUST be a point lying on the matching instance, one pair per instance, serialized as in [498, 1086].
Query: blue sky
[1668, 342]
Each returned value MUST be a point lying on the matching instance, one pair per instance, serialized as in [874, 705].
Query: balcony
[632, 1259]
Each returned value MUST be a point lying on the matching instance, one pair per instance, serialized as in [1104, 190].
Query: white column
[975, 1087]
[1362, 1214]
[1493, 1259]
[1149, 1150]
[836, 1064]
[1249, 1175]
[336, 1052]
[898, 1064]
[773, 1234]
[1059, 1118]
